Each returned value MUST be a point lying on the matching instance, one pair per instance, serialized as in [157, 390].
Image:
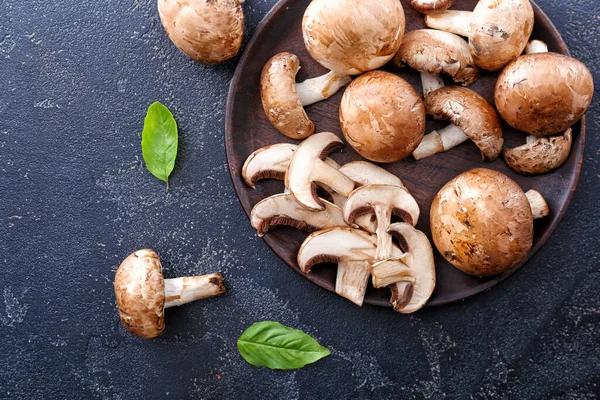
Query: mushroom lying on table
[431, 6]
[498, 30]
[472, 118]
[284, 100]
[142, 293]
[482, 222]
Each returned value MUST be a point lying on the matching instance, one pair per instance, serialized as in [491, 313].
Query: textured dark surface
[76, 79]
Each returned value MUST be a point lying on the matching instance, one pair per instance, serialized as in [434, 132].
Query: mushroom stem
[184, 290]
[321, 88]
[431, 83]
[457, 22]
[352, 280]
[536, 46]
[384, 239]
[388, 272]
[331, 177]
[440, 141]
[539, 207]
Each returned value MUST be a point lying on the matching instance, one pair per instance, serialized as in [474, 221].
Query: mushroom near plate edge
[540, 154]
[284, 100]
[498, 30]
[431, 6]
[142, 293]
[209, 32]
[482, 221]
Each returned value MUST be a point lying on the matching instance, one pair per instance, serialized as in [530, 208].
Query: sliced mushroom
[540, 154]
[307, 168]
[283, 100]
[434, 53]
[282, 209]
[472, 118]
[498, 30]
[431, 6]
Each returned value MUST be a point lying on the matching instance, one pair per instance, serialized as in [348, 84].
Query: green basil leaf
[272, 345]
[159, 142]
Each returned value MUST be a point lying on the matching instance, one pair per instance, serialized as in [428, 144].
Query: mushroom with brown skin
[540, 154]
[431, 6]
[143, 294]
[382, 117]
[434, 53]
[283, 99]
[352, 249]
[472, 118]
[482, 222]
[498, 30]
[209, 32]
[353, 36]
[307, 168]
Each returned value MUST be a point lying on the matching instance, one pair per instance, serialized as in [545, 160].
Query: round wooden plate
[247, 129]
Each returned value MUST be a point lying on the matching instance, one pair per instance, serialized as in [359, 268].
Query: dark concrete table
[76, 78]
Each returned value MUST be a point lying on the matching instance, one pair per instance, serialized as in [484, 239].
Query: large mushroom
[143, 294]
[431, 6]
[472, 118]
[498, 30]
[284, 100]
[434, 53]
[482, 222]
[209, 32]
[353, 36]
[382, 117]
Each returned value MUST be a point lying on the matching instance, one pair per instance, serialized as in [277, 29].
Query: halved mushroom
[352, 249]
[472, 118]
[307, 167]
[282, 209]
[431, 6]
[540, 154]
[433, 53]
[284, 100]
[417, 268]
[498, 30]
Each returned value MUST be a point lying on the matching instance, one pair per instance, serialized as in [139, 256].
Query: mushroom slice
[283, 100]
[307, 168]
[431, 6]
[282, 209]
[472, 118]
[540, 154]
[498, 30]
[433, 53]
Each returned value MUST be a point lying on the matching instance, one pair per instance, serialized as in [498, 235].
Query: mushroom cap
[353, 36]
[140, 292]
[207, 31]
[472, 114]
[544, 93]
[382, 117]
[280, 99]
[482, 223]
[394, 198]
[438, 52]
[431, 6]
[365, 173]
[542, 155]
[499, 31]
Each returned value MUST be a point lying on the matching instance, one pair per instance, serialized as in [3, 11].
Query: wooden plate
[247, 129]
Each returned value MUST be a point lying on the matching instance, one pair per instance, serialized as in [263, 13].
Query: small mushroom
[540, 154]
[498, 30]
[433, 53]
[382, 117]
[209, 32]
[352, 249]
[417, 268]
[282, 209]
[353, 36]
[536, 46]
[308, 168]
[283, 99]
[431, 6]
[482, 222]
[142, 293]
[472, 118]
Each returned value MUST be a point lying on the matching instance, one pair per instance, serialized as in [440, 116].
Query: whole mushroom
[143, 294]
[207, 31]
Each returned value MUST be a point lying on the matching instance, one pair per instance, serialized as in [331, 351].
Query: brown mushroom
[284, 100]
[498, 30]
[540, 154]
[353, 36]
[142, 293]
[382, 117]
[431, 6]
[472, 118]
[209, 32]
[434, 53]
[482, 222]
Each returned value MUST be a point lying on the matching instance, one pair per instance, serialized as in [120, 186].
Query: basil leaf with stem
[275, 346]
[159, 141]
